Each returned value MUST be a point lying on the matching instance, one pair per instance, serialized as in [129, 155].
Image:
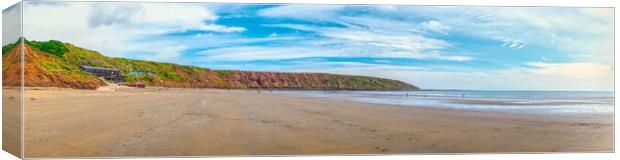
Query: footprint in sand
[380, 149]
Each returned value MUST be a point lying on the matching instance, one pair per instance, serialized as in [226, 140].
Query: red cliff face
[281, 80]
[205, 80]
[11, 68]
[36, 76]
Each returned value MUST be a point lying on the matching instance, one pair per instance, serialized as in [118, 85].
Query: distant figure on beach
[407, 94]
[462, 95]
[258, 91]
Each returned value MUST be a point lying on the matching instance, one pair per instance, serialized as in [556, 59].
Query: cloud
[165, 17]
[310, 48]
[301, 27]
[219, 28]
[536, 64]
[11, 24]
[575, 70]
[120, 29]
[273, 35]
[201, 35]
[301, 11]
[69, 23]
[350, 41]
[414, 43]
[373, 36]
[434, 26]
[355, 42]
[105, 14]
[46, 3]
[382, 61]
[250, 53]
[514, 44]
[165, 54]
[603, 14]
[585, 34]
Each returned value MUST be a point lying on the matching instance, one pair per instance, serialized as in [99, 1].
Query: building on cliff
[105, 73]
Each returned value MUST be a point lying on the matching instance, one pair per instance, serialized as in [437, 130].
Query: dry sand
[11, 121]
[208, 122]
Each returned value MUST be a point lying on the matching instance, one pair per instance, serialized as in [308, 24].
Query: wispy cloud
[515, 44]
[434, 26]
[249, 53]
[165, 54]
[301, 11]
[379, 43]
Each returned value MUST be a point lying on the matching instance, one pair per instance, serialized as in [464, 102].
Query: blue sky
[434, 47]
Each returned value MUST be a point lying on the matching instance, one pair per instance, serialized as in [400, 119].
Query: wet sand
[209, 122]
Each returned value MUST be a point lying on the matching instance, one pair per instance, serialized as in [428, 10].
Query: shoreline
[218, 122]
[475, 104]
[347, 99]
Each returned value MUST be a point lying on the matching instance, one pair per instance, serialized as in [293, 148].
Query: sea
[530, 102]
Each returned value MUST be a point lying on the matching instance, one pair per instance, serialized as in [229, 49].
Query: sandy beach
[11, 121]
[210, 122]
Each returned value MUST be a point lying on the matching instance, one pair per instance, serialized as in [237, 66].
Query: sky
[433, 47]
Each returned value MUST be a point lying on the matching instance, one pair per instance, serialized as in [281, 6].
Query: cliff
[56, 64]
[42, 70]
[249, 79]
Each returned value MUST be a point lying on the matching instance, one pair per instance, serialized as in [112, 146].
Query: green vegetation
[333, 82]
[138, 78]
[9, 47]
[363, 80]
[221, 82]
[54, 66]
[52, 47]
[172, 76]
[199, 71]
[372, 83]
[77, 76]
[164, 71]
[224, 72]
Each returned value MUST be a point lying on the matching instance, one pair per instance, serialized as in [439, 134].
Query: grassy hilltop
[54, 63]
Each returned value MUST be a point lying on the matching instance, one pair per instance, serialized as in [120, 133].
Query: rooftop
[99, 68]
